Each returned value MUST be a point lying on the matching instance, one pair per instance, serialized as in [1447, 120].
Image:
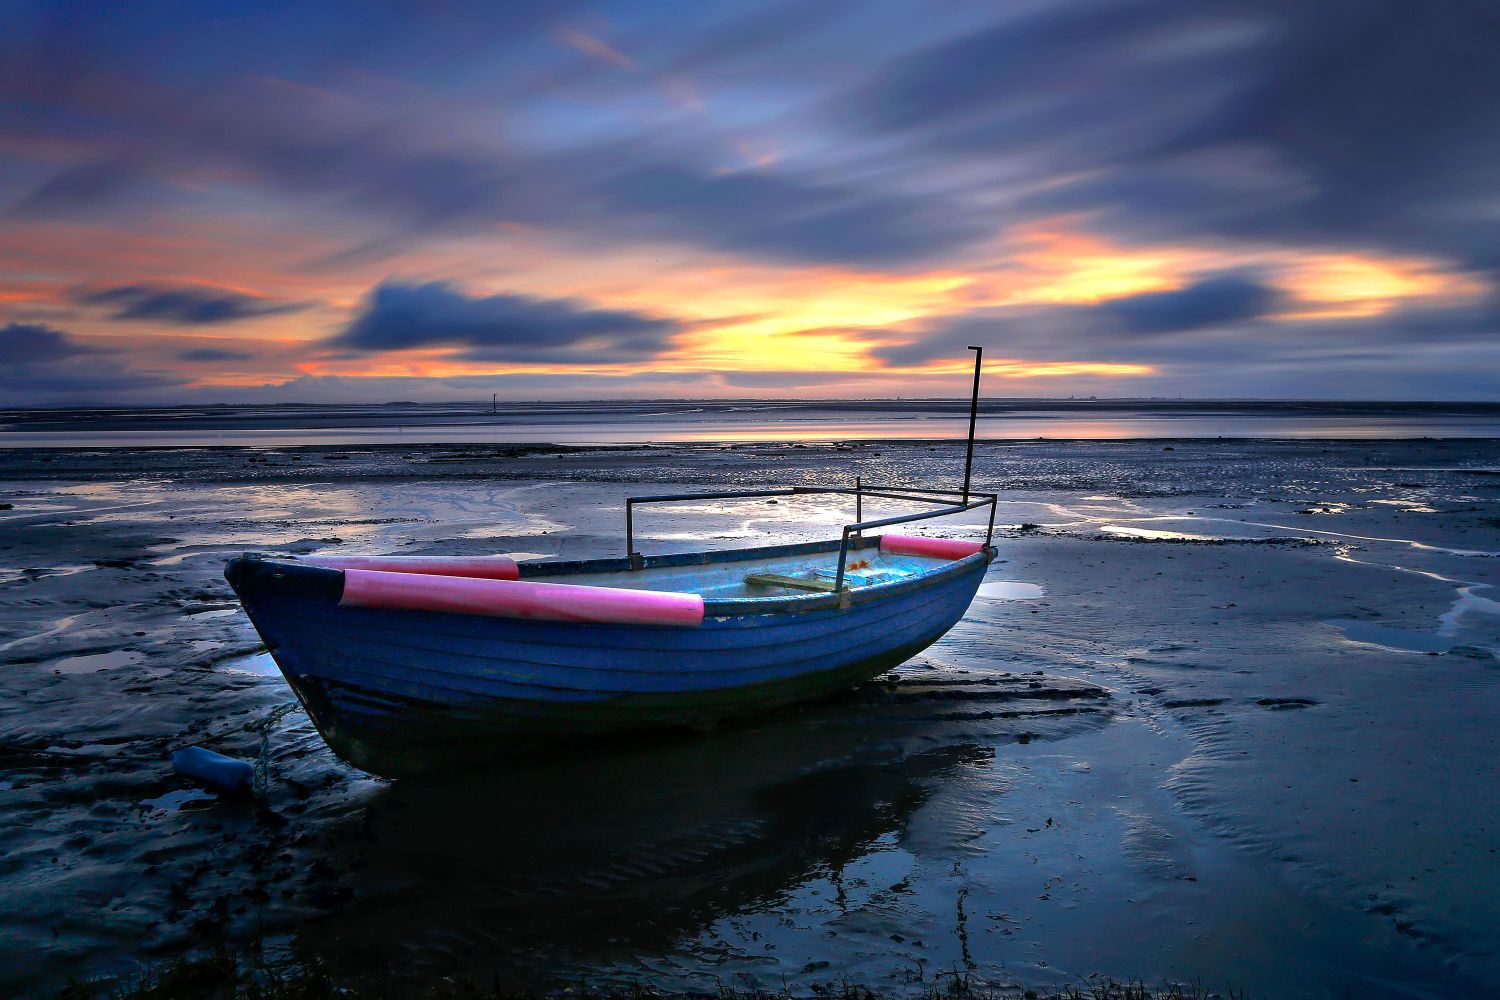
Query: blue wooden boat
[403, 684]
[413, 664]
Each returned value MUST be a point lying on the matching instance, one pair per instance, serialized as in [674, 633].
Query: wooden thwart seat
[790, 582]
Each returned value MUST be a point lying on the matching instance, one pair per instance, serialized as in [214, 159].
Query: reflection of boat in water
[416, 664]
[590, 861]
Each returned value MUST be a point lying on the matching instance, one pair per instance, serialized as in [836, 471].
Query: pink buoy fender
[936, 548]
[480, 567]
[555, 602]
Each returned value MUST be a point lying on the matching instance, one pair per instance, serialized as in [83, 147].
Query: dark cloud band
[183, 305]
[500, 328]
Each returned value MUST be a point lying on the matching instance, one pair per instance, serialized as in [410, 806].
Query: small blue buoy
[213, 769]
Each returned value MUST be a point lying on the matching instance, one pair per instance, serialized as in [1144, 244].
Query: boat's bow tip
[252, 575]
[235, 567]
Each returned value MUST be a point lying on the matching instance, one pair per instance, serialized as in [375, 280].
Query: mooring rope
[258, 784]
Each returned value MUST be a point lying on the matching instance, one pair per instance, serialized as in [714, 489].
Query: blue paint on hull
[401, 692]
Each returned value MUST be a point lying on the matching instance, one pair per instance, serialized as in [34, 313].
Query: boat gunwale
[746, 607]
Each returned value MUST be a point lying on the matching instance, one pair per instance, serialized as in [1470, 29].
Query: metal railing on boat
[911, 494]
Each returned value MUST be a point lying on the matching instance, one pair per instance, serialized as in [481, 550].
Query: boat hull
[401, 693]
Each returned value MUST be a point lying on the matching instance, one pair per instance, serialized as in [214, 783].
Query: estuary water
[736, 420]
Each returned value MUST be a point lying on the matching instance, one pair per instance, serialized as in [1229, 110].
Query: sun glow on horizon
[738, 316]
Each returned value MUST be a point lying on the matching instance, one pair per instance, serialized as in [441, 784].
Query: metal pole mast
[973, 416]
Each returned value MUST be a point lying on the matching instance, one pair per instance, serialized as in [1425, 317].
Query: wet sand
[1223, 713]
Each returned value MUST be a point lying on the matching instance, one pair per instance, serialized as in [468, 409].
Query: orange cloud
[1057, 265]
[1336, 286]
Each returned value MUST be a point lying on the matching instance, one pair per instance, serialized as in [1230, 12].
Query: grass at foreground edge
[222, 976]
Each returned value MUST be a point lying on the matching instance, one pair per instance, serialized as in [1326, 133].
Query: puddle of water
[179, 557]
[529, 526]
[91, 663]
[220, 613]
[29, 511]
[1408, 505]
[92, 490]
[100, 751]
[1468, 603]
[1400, 639]
[35, 573]
[173, 801]
[62, 625]
[259, 665]
[1329, 507]
[1157, 533]
[744, 531]
[523, 556]
[1483, 470]
[1005, 590]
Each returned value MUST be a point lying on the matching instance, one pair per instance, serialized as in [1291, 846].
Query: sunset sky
[262, 202]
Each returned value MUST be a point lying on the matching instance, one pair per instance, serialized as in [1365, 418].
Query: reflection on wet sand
[589, 861]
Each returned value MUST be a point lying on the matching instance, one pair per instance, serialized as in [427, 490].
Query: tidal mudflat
[1224, 712]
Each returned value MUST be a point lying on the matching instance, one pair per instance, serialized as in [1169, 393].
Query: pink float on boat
[480, 567]
[937, 548]
[554, 602]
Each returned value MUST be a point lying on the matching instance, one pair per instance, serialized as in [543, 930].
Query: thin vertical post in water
[973, 416]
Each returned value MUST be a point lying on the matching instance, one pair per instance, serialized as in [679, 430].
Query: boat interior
[763, 576]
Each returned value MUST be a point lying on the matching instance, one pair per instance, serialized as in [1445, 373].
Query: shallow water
[1009, 590]
[1175, 752]
[257, 665]
[630, 422]
[88, 663]
[1404, 639]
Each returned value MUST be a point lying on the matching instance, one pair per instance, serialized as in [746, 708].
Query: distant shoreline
[732, 421]
[678, 462]
[298, 414]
